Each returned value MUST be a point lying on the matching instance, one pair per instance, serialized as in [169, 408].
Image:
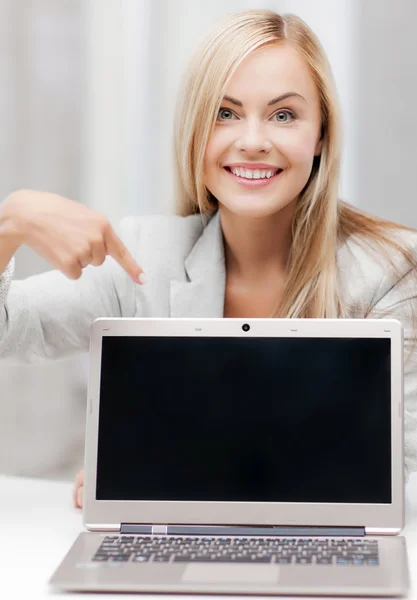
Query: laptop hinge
[132, 528]
[241, 530]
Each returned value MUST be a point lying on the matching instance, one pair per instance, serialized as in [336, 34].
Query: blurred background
[87, 100]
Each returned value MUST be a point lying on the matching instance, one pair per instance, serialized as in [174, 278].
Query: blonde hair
[321, 221]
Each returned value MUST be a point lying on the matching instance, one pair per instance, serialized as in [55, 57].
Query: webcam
[245, 327]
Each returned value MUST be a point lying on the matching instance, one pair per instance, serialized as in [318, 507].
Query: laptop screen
[245, 419]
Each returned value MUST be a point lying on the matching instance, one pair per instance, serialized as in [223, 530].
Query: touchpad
[230, 573]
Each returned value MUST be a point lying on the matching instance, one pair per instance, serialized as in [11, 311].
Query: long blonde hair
[321, 221]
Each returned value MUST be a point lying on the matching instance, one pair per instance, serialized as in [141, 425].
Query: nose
[252, 138]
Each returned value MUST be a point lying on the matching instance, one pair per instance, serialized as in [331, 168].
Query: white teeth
[252, 174]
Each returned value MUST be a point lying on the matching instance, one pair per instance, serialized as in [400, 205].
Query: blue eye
[227, 114]
[285, 113]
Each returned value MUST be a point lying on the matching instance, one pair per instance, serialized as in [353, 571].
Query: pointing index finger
[116, 248]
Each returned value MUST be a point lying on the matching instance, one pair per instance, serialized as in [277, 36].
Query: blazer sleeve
[399, 301]
[48, 316]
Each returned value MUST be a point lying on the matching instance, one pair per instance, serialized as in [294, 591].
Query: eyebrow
[271, 102]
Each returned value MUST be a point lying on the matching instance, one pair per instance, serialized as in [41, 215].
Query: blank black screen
[235, 419]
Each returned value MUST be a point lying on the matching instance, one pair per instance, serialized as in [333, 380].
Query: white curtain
[42, 82]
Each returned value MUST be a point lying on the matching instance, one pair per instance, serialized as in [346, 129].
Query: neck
[257, 248]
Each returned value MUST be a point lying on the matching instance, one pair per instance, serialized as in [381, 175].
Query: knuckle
[75, 275]
[83, 252]
[123, 252]
[72, 269]
[98, 260]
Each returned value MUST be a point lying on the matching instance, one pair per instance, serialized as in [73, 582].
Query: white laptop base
[79, 573]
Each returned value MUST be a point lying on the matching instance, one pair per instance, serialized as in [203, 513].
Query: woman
[262, 232]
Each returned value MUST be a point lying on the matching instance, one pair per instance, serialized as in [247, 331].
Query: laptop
[230, 456]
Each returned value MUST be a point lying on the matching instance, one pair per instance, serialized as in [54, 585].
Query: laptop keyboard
[294, 551]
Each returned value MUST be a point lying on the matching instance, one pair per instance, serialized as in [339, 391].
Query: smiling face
[260, 154]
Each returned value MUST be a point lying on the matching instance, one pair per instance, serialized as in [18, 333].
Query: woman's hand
[67, 234]
[79, 490]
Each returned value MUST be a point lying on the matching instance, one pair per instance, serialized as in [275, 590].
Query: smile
[255, 178]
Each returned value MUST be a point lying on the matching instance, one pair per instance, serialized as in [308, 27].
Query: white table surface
[38, 525]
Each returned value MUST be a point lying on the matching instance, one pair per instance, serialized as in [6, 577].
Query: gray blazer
[49, 315]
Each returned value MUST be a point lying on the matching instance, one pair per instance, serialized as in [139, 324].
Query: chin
[252, 208]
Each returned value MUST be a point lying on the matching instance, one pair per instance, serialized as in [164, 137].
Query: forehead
[270, 72]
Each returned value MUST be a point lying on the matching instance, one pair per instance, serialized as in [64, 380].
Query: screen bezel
[109, 514]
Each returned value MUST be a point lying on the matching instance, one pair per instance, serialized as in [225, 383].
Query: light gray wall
[385, 106]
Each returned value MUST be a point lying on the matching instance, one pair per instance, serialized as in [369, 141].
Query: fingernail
[142, 278]
[80, 497]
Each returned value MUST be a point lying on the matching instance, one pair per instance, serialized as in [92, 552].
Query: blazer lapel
[203, 294]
